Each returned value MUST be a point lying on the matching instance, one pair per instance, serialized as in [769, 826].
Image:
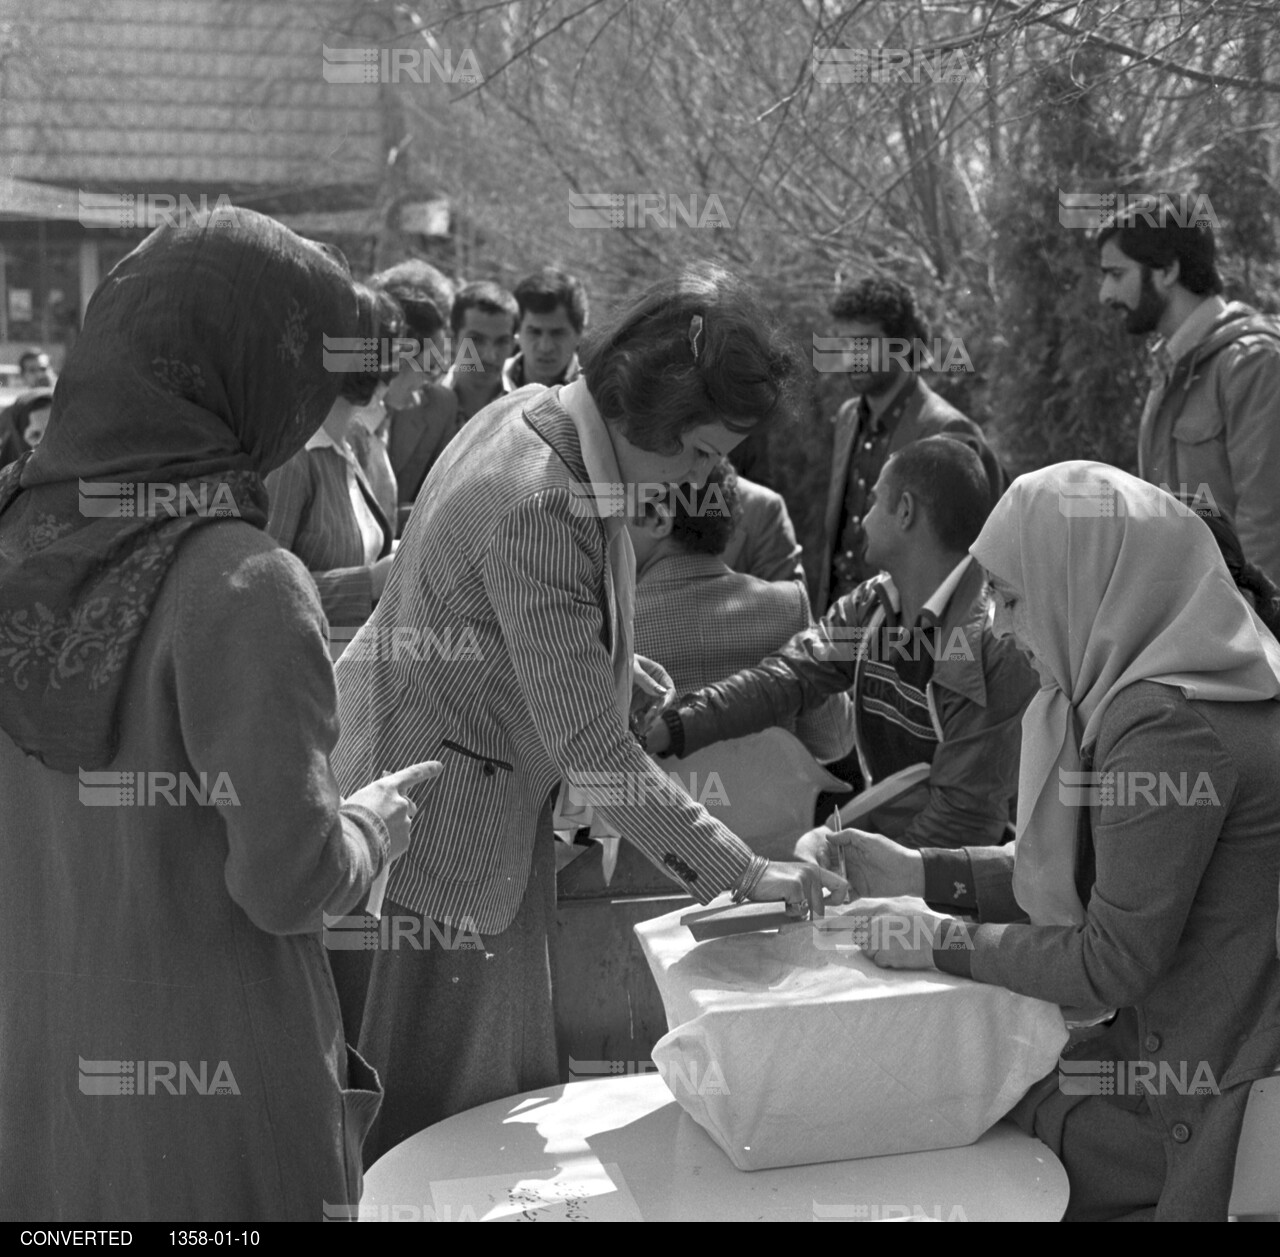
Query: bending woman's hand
[800, 886]
[385, 796]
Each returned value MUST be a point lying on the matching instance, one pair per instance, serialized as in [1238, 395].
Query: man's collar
[513, 376]
[936, 604]
[1195, 327]
[881, 403]
[962, 610]
[513, 373]
[321, 440]
[938, 600]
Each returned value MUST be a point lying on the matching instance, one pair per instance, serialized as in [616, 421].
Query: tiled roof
[129, 92]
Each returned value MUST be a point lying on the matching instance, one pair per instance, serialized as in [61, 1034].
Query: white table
[622, 1147]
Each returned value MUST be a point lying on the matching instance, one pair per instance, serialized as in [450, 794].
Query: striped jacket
[490, 651]
[311, 514]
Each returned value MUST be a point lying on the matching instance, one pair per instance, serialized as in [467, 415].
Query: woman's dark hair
[1264, 596]
[698, 348]
[381, 320]
[423, 293]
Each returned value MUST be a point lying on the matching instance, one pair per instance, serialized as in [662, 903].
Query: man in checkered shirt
[701, 620]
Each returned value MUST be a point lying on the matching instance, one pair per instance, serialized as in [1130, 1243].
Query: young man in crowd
[483, 324]
[1211, 423]
[36, 370]
[894, 407]
[913, 648]
[422, 413]
[553, 314]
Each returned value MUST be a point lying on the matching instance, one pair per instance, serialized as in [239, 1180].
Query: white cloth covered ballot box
[792, 1047]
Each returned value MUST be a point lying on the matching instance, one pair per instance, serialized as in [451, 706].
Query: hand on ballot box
[875, 866]
[800, 886]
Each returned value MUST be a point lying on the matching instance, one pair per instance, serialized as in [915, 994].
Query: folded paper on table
[792, 1047]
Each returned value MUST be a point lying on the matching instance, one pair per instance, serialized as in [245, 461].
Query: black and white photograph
[637, 611]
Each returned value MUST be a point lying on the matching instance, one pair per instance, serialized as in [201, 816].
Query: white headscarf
[1120, 583]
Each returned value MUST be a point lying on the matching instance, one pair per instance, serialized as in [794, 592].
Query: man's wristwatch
[675, 734]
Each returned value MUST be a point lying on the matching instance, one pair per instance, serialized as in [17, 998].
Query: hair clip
[695, 331]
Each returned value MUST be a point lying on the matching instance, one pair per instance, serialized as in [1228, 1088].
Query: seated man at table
[913, 648]
[764, 539]
[701, 620]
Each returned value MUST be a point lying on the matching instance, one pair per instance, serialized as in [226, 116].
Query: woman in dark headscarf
[171, 831]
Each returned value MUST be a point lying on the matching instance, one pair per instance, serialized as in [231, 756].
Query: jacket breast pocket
[1199, 444]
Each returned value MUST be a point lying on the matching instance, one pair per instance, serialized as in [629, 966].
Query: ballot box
[789, 1046]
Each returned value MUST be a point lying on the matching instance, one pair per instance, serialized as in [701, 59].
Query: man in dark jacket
[914, 650]
[894, 407]
[1211, 423]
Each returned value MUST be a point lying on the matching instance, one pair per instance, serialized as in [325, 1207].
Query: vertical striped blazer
[490, 651]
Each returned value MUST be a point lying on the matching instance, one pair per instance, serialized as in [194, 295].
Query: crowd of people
[559, 491]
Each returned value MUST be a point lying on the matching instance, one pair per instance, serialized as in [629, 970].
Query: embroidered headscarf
[1120, 583]
[199, 369]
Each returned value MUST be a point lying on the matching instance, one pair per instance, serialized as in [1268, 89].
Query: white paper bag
[788, 1052]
